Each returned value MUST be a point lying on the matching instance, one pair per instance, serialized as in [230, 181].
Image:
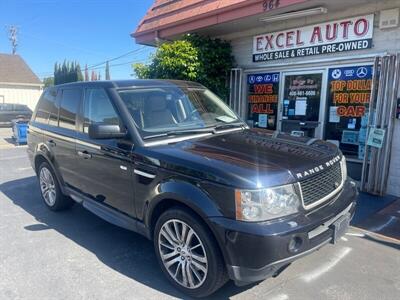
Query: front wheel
[188, 254]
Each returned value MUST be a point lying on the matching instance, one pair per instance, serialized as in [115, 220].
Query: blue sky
[88, 31]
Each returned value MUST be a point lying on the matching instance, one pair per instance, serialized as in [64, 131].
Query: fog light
[295, 244]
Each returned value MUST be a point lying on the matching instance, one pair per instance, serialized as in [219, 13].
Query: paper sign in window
[300, 107]
[333, 116]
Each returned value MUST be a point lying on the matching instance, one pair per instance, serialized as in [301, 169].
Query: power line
[99, 65]
[118, 57]
[95, 68]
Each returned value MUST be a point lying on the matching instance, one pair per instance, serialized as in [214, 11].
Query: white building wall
[384, 41]
[21, 94]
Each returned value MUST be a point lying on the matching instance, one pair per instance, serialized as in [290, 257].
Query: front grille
[321, 185]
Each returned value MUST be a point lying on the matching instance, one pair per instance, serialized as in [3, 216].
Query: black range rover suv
[171, 161]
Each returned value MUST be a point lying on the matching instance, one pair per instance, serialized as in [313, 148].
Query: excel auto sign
[331, 37]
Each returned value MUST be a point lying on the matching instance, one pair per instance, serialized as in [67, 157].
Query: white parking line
[24, 169]
[355, 234]
[327, 266]
[12, 157]
[280, 297]
[380, 227]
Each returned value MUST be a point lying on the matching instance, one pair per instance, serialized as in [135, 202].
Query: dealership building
[321, 69]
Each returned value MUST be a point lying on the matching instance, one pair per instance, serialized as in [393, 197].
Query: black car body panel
[133, 180]
[221, 159]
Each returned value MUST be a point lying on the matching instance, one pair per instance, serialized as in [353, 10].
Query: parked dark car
[169, 160]
[11, 111]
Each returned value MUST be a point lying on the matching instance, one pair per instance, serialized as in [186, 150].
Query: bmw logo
[336, 73]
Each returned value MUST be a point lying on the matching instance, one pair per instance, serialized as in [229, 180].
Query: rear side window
[46, 106]
[21, 107]
[70, 100]
[6, 107]
[98, 109]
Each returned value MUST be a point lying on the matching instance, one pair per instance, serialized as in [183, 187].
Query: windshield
[159, 111]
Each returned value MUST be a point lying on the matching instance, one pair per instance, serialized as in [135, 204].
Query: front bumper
[255, 251]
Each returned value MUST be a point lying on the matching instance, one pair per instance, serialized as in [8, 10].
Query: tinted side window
[98, 109]
[46, 106]
[21, 107]
[70, 100]
[6, 107]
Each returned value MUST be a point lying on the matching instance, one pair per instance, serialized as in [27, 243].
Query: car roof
[132, 83]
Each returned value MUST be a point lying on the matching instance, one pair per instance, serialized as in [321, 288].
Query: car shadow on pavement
[125, 252]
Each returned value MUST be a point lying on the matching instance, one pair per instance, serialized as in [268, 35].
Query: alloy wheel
[183, 253]
[47, 186]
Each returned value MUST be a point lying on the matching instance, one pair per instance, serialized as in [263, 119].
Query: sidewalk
[380, 215]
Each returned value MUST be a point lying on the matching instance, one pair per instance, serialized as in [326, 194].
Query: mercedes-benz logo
[362, 72]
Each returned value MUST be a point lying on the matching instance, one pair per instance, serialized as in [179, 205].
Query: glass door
[303, 103]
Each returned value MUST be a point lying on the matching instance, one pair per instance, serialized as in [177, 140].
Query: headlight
[266, 204]
[344, 168]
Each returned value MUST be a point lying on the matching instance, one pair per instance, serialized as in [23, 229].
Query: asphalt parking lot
[76, 255]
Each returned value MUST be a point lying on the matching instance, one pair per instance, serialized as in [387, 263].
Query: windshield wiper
[228, 126]
[210, 129]
[180, 132]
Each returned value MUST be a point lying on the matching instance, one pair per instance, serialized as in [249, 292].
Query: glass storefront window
[263, 90]
[349, 90]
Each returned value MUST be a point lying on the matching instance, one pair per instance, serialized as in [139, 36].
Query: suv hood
[251, 158]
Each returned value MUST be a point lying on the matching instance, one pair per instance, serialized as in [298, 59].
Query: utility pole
[12, 37]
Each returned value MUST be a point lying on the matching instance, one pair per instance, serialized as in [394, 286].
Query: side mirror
[102, 131]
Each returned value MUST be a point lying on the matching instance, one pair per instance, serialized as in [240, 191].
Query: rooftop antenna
[13, 37]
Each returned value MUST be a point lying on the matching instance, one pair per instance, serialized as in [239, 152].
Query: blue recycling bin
[20, 128]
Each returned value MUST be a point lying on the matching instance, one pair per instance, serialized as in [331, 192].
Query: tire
[200, 257]
[50, 190]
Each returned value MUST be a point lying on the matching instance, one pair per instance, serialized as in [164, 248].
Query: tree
[216, 60]
[86, 73]
[78, 71]
[107, 71]
[67, 72]
[48, 81]
[177, 60]
[93, 76]
[195, 58]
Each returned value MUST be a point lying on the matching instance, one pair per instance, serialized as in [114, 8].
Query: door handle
[84, 154]
[51, 143]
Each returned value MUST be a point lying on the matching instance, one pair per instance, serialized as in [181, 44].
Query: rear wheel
[50, 189]
[188, 254]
